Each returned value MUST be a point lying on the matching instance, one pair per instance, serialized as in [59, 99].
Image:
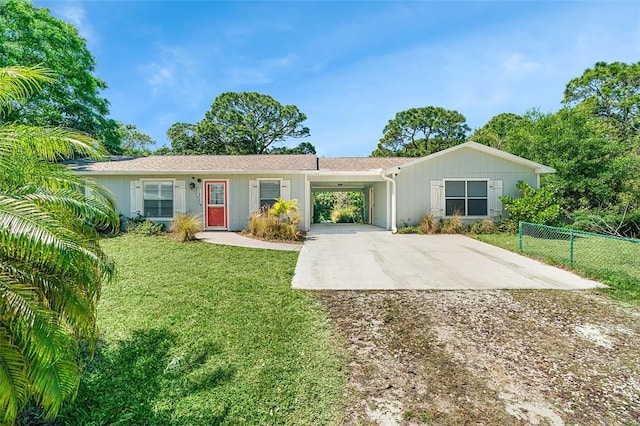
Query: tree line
[592, 141]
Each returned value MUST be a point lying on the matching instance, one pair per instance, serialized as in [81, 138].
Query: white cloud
[160, 76]
[73, 12]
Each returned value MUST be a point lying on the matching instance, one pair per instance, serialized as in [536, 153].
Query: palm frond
[13, 378]
[18, 83]
[56, 382]
[47, 143]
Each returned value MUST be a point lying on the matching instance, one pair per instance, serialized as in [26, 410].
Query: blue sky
[349, 66]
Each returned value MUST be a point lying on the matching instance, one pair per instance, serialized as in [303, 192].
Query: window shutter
[135, 192]
[437, 198]
[285, 190]
[180, 197]
[495, 205]
[253, 197]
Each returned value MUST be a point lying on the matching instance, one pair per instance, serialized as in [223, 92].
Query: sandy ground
[489, 357]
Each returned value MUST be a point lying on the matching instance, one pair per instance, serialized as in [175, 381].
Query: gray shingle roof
[360, 163]
[236, 163]
[192, 163]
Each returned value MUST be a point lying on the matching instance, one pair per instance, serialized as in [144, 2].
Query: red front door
[216, 199]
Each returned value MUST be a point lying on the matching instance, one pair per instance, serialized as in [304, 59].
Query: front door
[216, 204]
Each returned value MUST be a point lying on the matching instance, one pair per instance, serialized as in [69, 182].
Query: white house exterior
[224, 190]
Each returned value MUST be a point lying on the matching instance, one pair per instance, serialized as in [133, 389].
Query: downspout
[394, 228]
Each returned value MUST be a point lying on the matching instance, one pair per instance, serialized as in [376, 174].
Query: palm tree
[51, 265]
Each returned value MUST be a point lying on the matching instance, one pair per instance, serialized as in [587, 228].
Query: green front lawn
[613, 262]
[198, 333]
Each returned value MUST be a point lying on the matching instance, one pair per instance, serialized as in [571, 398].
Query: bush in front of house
[140, 225]
[185, 227]
[485, 226]
[535, 205]
[428, 224]
[279, 223]
[453, 225]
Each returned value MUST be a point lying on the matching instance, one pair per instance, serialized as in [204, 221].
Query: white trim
[193, 172]
[308, 203]
[173, 201]
[466, 197]
[539, 168]
[205, 204]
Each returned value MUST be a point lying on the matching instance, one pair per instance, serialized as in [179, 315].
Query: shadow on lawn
[142, 381]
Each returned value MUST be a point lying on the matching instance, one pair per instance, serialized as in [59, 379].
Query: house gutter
[392, 180]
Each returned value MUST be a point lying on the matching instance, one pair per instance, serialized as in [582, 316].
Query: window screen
[158, 199]
[466, 197]
[269, 192]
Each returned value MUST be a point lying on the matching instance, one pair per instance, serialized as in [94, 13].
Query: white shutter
[254, 199]
[180, 197]
[285, 190]
[437, 198]
[495, 205]
[135, 193]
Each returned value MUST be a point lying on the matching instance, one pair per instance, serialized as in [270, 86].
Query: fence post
[571, 248]
[520, 236]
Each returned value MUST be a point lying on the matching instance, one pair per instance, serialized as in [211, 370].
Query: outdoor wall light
[192, 185]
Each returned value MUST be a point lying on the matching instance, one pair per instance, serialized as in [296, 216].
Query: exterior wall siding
[381, 199]
[238, 193]
[414, 181]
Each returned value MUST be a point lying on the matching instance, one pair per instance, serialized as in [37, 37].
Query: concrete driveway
[363, 257]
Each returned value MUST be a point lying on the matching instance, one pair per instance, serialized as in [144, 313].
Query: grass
[613, 262]
[205, 334]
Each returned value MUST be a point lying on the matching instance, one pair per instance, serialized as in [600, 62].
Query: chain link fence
[596, 255]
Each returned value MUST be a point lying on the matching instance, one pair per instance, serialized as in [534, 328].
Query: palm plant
[51, 265]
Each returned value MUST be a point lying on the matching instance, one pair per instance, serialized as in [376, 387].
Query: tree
[610, 91]
[31, 36]
[133, 141]
[302, 148]
[421, 131]
[247, 123]
[495, 132]
[592, 169]
[51, 265]
[185, 141]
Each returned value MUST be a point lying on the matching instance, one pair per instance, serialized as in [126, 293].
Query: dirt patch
[489, 357]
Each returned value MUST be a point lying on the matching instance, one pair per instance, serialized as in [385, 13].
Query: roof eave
[184, 172]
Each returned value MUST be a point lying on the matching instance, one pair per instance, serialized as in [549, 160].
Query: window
[466, 197]
[269, 191]
[158, 199]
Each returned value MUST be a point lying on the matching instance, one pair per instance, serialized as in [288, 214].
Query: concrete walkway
[235, 239]
[361, 257]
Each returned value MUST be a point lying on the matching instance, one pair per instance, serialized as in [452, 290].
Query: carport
[367, 175]
[374, 188]
[365, 257]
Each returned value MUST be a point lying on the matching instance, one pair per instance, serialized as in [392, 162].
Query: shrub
[278, 223]
[485, 226]
[409, 230]
[344, 214]
[185, 227]
[454, 225]
[140, 225]
[506, 225]
[535, 205]
[428, 224]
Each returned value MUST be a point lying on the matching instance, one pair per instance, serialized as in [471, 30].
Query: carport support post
[392, 181]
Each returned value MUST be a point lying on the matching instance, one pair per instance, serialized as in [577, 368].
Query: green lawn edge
[621, 285]
[197, 333]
